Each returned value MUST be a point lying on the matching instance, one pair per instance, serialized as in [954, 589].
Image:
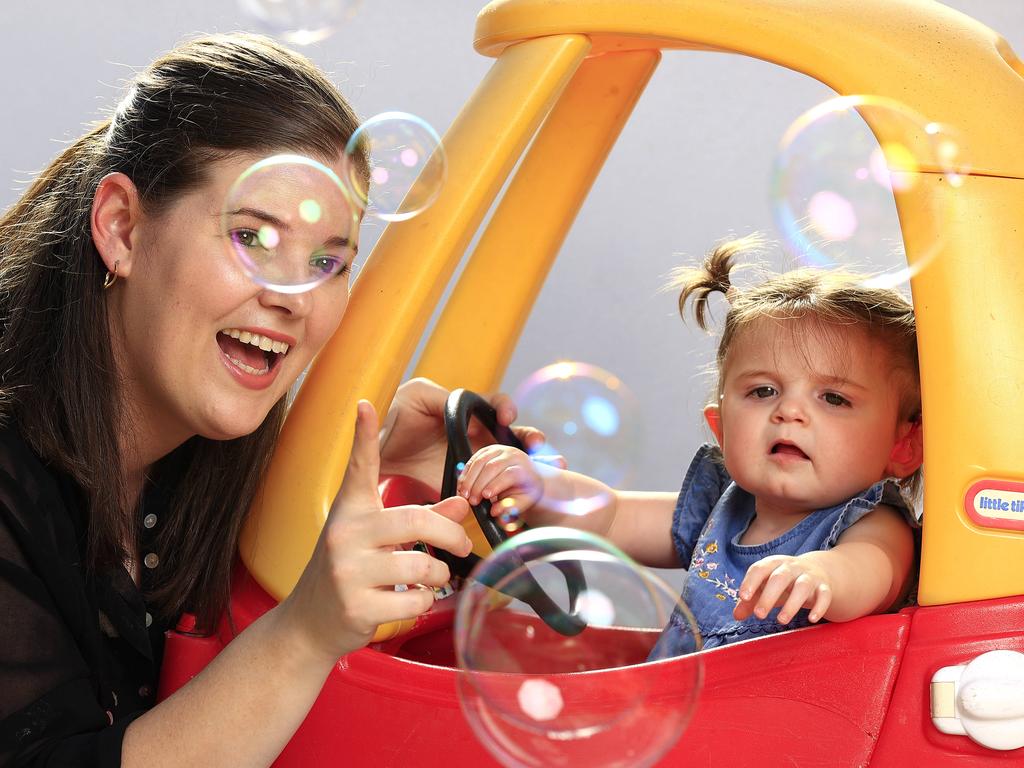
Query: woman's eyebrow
[262, 215]
[332, 242]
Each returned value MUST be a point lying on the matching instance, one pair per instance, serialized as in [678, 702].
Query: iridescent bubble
[291, 224]
[589, 416]
[508, 516]
[301, 22]
[836, 187]
[407, 165]
[548, 605]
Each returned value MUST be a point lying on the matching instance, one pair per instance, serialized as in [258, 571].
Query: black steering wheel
[461, 406]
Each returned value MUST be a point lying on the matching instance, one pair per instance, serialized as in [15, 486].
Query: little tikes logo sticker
[996, 504]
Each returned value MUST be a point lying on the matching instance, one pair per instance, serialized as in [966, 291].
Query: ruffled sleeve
[705, 482]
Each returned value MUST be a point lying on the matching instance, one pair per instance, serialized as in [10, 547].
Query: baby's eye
[834, 398]
[764, 392]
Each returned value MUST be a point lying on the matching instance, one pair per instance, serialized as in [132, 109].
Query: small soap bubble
[589, 416]
[549, 604]
[290, 224]
[508, 516]
[407, 165]
[301, 22]
[837, 175]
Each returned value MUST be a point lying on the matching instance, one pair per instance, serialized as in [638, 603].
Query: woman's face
[203, 349]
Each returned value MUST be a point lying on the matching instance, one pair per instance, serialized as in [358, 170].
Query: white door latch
[983, 700]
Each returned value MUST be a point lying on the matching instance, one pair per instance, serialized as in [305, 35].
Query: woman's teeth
[263, 342]
[248, 368]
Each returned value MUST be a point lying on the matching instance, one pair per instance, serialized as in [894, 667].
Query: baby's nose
[790, 409]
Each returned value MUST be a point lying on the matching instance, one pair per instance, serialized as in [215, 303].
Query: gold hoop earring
[111, 277]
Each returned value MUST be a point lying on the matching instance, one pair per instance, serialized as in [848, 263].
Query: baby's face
[809, 416]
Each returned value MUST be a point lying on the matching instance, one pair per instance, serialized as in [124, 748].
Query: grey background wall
[692, 166]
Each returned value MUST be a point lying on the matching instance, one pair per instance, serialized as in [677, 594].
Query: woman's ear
[115, 215]
[907, 454]
[713, 416]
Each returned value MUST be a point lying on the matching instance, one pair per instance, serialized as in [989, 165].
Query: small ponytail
[711, 276]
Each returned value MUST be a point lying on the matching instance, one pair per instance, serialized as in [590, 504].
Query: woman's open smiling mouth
[253, 358]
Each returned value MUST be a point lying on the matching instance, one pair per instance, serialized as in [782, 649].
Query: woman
[135, 430]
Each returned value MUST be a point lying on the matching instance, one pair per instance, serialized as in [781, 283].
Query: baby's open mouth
[255, 354]
[788, 449]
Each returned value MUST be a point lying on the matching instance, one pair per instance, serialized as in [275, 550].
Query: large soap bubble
[301, 22]
[578, 678]
[589, 416]
[291, 224]
[407, 165]
[836, 185]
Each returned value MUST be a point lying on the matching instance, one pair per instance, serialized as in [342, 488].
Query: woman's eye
[834, 398]
[763, 392]
[328, 265]
[246, 238]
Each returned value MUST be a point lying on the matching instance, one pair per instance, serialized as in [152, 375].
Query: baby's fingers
[474, 467]
[750, 590]
[802, 592]
[771, 595]
[822, 601]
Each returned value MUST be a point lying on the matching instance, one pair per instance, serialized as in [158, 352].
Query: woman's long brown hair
[206, 100]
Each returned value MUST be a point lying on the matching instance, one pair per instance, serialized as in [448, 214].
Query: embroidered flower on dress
[727, 586]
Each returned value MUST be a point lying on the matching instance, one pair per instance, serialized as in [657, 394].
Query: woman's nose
[293, 304]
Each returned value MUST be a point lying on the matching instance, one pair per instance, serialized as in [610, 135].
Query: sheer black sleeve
[58, 705]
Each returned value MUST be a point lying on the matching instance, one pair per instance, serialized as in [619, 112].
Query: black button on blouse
[79, 655]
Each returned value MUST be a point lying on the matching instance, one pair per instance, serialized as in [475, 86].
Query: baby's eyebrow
[839, 382]
[758, 374]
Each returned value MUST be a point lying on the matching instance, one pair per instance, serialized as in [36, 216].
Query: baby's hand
[501, 472]
[781, 580]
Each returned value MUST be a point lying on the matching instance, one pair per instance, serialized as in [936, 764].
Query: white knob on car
[983, 699]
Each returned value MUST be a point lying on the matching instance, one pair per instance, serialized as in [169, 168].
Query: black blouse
[79, 655]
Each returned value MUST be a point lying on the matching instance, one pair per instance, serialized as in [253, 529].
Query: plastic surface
[942, 636]
[395, 704]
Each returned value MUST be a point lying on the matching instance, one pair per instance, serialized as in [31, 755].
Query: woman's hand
[501, 472]
[790, 582]
[348, 587]
[413, 440]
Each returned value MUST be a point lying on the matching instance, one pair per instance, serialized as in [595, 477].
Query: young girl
[798, 514]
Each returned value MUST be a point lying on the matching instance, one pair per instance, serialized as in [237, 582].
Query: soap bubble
[578, 678]
[290, 223]
[589, 416]
[407, 165]
[300, 22]
[835, 187]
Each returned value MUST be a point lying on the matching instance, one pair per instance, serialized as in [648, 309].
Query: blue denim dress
[711, 515]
